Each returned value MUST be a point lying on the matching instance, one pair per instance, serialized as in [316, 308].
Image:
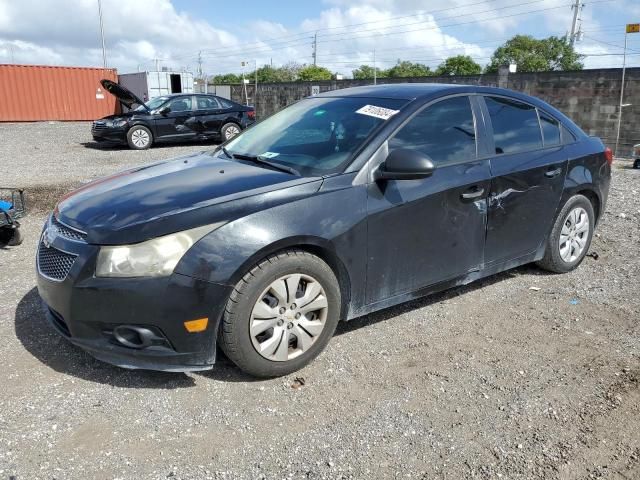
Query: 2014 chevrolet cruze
[337, 206]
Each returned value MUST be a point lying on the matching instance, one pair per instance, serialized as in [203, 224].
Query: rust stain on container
[38, 92]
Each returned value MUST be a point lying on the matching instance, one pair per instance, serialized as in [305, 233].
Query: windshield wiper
[260, 159]
[226, 152]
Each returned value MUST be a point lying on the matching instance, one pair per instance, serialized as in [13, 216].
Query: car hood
[126, 96]
[174, 195]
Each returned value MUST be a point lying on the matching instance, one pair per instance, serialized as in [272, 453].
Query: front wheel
[281, 314]
[570, 237]
[139, 137]
[636, 163]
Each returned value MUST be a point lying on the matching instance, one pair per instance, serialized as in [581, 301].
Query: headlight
[119, 123]
[153, 258]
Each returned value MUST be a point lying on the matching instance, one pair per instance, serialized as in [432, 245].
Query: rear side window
[515, 125]
[444, 131]
[225, 103]
[550, 129]
[207, 103]
[567, 136]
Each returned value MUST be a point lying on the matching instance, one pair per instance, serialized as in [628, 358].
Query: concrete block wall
[589, 97]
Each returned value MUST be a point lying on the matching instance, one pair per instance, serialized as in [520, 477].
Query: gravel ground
[492, 380]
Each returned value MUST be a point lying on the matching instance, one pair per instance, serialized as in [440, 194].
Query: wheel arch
[317, 246]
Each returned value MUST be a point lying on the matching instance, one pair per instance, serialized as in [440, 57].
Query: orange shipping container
[37, 92]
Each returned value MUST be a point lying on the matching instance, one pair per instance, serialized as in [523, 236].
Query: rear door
[421, 232]
[528, 173]
[209, 115]
[177, 123]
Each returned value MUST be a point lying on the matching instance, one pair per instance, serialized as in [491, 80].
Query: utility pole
[375, 73]
[12, 52]
[576, 7]
[200, 64]
[630, 28]
[104, 51]
[315, 48]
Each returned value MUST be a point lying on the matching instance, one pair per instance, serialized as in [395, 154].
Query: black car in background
[170, 118]
[337, 206]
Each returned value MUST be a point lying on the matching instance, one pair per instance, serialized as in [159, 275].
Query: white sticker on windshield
[269, 154]
[378, 112]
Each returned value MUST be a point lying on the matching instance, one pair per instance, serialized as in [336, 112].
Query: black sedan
[170, 118]
[337, 206]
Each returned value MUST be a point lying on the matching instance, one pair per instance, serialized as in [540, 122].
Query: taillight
[608, 154]
[251, 114]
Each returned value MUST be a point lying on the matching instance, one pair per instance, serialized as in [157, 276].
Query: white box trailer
[148, 85]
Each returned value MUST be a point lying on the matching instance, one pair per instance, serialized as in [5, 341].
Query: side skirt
[465, 279]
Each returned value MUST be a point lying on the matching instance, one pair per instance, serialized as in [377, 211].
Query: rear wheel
[636, 164]
[281, 314]
[139, 137]
[229, 130]
[570, 237]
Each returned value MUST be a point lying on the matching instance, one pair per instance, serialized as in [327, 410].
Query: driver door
[422, 232]
[175, 123]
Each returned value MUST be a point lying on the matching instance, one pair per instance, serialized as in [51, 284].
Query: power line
[297, 42]
[386, 34]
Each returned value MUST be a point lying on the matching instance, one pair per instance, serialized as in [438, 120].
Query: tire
[229, 130]
[139, 137]
[636, 164]
[247, 302]
[563, 260]
[17, 238]
[10, 236]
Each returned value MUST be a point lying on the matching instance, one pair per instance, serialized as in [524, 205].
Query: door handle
[553, 172]
[473, 192]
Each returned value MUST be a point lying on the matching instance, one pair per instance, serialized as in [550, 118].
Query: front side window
[316, 136]
[444, 131]
[515, 125]
[550, 129]
[181, 104]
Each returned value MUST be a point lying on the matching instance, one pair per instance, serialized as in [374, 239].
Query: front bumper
[86, 310]
[102, 132]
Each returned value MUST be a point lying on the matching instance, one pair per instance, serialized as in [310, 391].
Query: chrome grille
[53, 263]
[67, 232]
[98, 127]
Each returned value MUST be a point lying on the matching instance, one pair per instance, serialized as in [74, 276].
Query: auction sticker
[269, 154]
[378, 112]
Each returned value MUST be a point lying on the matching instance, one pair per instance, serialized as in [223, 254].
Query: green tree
[408, 69]
[227, 78]
[459, 65]
[364, 72]
[314, 72]
[533, 55]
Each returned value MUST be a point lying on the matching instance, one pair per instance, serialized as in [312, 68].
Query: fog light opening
[134, 337]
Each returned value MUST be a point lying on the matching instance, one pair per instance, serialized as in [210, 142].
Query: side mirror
[164, 110]
[404, 164]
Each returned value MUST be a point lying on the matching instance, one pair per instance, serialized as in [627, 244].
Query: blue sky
[227, 33]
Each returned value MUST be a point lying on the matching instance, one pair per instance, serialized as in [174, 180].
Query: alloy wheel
[140, 138]
[231, 132]
[574, 234]
[288, 317]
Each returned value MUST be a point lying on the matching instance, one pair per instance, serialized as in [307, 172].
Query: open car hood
[126, 96]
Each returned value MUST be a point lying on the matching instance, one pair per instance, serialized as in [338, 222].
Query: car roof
[423, 91]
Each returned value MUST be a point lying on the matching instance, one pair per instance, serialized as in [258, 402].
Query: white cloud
[67, 32]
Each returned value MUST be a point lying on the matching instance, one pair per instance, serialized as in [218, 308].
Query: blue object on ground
[5, 206]
[574, 301]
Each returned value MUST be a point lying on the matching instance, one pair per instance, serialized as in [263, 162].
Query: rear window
[226, 103]
[515, 125]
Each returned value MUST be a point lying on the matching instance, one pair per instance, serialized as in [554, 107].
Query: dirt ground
[492, 380]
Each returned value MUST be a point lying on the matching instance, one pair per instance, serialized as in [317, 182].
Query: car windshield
[152, 104]
[316, 136]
